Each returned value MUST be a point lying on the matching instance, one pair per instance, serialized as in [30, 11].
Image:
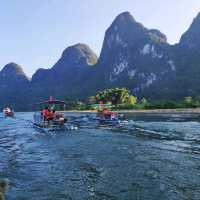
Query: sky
[34, 33]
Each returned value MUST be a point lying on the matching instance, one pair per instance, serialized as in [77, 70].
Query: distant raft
[8, 112]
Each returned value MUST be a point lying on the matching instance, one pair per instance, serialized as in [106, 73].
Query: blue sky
[34, 33]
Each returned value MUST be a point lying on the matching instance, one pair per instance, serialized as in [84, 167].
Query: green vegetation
[115, 96]
[121, 98]
[187, 102]
[73, 104]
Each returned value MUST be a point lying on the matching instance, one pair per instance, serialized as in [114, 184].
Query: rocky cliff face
[142, 60]
[13, 85]
[13, 73]
[68, 75]
[135, 57]
[187, 57]
[132, 56]
[74, 59]
[190, 39]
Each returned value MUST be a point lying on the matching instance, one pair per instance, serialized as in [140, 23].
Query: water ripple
[153, 157]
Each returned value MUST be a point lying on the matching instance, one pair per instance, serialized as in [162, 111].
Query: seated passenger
[51, 115]
[45, 113]
[106, 113]
[60, 117]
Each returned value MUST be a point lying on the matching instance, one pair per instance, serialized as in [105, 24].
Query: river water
[157, 157]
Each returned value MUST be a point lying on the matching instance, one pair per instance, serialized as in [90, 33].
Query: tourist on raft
[52, 115]
[107, 114]
[45, 113]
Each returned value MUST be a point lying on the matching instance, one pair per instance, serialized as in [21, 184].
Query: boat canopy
[52, 101]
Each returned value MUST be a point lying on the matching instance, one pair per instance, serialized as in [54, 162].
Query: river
[158, 158]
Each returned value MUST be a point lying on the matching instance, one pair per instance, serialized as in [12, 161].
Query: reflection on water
[153, 157]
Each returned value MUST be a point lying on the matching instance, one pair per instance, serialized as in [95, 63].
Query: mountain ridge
[132, 56]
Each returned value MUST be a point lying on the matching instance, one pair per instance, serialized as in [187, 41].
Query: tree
[188, 100]
[132, 100]
[115, 96]
[92, 99]
[144, 101]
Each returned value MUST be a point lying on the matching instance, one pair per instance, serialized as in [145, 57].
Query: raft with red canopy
[57, 123]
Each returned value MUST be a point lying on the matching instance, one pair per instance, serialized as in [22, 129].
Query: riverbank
[153, 111]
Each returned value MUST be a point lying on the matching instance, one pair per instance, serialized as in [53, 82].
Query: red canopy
[52, 101]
